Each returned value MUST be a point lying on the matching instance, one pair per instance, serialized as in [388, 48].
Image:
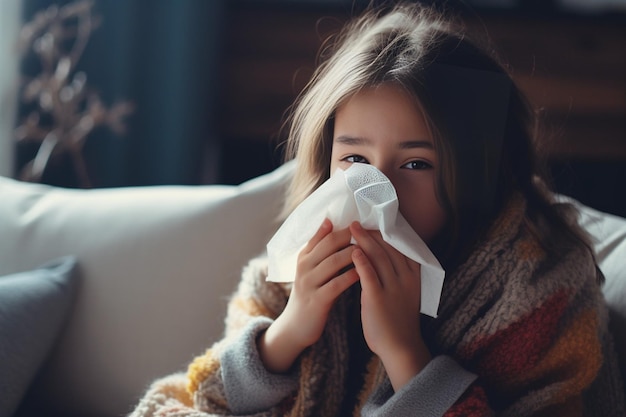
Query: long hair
[481, 124]
[361, 56]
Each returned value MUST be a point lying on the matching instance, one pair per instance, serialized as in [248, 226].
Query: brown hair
[481, 124]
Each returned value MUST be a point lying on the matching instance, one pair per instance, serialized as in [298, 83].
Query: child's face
[384, 126]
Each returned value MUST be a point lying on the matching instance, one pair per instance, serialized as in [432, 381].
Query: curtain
[162, 56]
[9, 27]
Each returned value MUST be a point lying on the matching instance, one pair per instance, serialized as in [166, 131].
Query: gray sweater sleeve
[249, 386]
[430, 393]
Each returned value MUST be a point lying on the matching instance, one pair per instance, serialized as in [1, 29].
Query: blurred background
[195, 91]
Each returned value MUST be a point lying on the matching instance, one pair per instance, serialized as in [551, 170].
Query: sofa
[104, 290]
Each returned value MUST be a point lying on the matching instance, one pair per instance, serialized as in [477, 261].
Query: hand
[321, 276]
[390, 305]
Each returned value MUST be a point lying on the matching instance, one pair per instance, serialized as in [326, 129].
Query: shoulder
[531, 255]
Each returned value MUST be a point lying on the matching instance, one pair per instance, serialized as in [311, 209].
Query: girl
[521, 328]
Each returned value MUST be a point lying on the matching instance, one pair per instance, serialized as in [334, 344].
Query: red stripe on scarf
[519, 346]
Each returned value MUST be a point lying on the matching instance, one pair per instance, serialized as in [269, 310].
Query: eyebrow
[409, 144]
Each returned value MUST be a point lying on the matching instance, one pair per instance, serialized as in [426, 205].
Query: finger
[407, 271]
[365, 270]
[335, 264]
[374, 250]
[399, 261]
[336, 286]
[331, 243]
[325, 228]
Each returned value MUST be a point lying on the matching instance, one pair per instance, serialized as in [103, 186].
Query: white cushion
[609, 239]
[156, 265]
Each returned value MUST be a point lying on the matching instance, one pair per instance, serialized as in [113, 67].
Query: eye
[417, 164]
[355, 158]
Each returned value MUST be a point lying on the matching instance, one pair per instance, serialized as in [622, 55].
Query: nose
[385, 169]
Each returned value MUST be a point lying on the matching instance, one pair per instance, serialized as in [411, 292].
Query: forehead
[386, 110]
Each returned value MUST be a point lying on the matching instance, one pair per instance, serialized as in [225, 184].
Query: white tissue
[364, 194]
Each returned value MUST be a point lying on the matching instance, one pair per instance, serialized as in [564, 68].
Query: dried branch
[58, 37]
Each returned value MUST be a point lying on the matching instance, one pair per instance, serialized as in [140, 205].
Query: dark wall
[570, 64]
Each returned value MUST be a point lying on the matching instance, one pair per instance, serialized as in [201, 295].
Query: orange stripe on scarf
[573, 361]
[251, 307]
[200, 369]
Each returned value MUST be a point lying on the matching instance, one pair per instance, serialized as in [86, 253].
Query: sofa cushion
[609, 239]
[157, 265]
[34, 306]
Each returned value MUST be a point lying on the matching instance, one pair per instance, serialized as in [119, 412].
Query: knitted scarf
[532, 328]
